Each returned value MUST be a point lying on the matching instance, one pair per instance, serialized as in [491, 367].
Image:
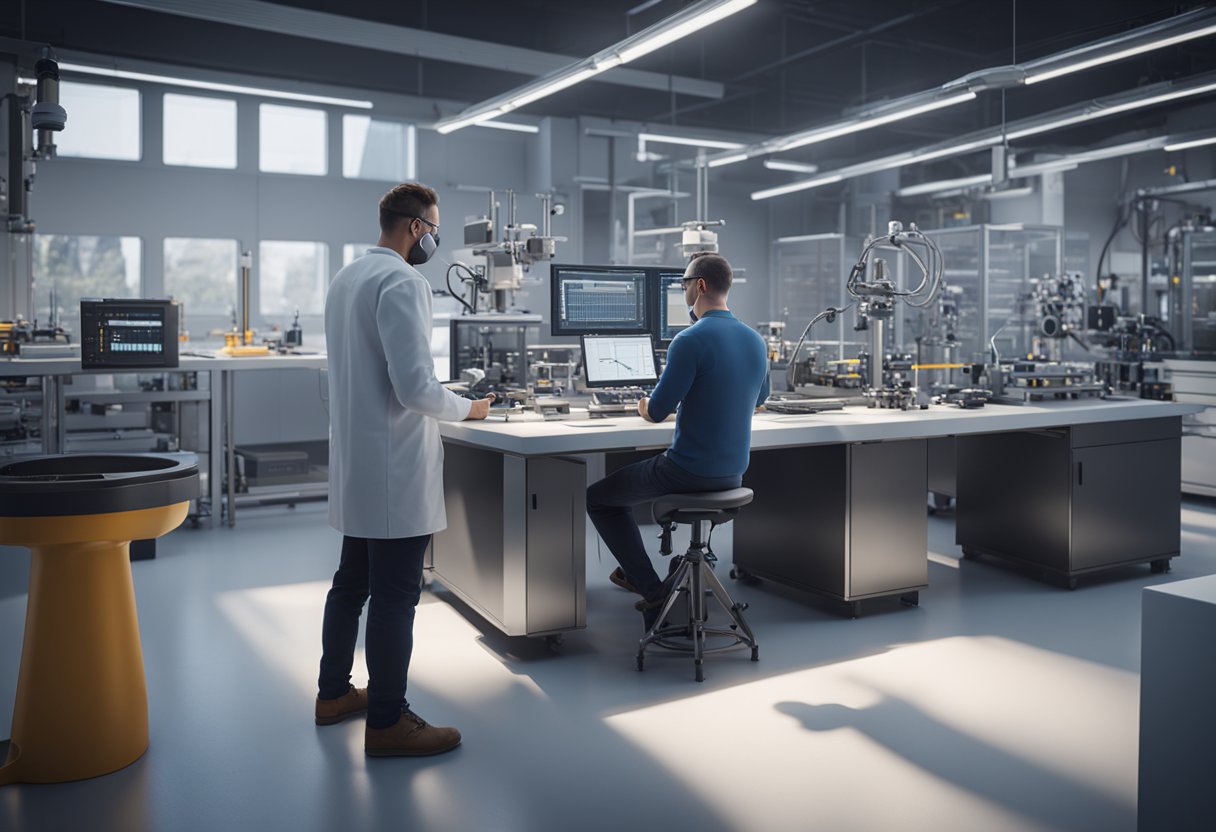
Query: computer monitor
[672, 311]
[590, 300]
[128, 333]
[619, 361]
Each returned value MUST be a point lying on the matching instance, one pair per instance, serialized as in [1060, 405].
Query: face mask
[423, 249]
[692, 316]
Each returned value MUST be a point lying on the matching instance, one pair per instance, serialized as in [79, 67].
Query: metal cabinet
[514, 545]
[1073, 500]
[845, 521]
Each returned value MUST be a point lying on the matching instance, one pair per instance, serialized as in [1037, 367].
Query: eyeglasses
[684, 280]
[435, 228]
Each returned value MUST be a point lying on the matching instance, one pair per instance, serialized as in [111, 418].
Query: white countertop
[67, 366]
[773, 430]
[1195, 589]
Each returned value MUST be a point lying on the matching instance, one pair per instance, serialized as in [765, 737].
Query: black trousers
[390, 573]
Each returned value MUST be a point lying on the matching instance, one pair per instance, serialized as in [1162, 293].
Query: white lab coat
[385, 453]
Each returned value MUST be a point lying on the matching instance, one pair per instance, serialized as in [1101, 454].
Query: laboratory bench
[211, 386]
[840, 506]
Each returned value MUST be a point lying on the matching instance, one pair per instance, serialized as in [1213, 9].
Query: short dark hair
[409, 199]
[714, 270]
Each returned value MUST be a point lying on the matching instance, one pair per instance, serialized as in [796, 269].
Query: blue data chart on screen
[673, 311]
[588, 301]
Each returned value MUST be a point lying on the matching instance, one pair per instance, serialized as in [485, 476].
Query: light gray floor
[1001, 703]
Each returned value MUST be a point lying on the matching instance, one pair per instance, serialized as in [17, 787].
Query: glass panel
[810, 278]
[103, 122]
[201, 273]
[68, 268]
[292, 140]
[199, 131]
[353, 251]
[1203, 281]
[291, 276]
[374, 149]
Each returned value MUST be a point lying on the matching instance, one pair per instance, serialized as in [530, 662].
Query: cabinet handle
[1080, 473]
[534, 502]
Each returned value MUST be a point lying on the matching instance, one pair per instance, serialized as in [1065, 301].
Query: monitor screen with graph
[619, 361]
[591, 300]
[672, 312]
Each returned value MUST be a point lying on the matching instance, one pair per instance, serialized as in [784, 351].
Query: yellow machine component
[82, 702]
[938, 366]
[238, 351]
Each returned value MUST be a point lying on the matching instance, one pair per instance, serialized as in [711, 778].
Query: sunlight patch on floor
[993, 709]
[283, 624]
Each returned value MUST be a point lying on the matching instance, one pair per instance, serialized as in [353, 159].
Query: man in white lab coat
[385, 471]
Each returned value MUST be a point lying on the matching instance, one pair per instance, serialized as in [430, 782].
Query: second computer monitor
[672, 310]
[589, 300]
[619, 361]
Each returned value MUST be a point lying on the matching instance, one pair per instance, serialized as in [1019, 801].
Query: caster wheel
[555, 640]
[755, 654]
[1160, 566]
[734, 574]
[700, 674]
[969, 554]
[641, 663]
[1072, 583]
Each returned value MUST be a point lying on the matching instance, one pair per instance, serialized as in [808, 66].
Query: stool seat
[717, 506]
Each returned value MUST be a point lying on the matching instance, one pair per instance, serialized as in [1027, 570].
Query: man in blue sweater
[716, 375]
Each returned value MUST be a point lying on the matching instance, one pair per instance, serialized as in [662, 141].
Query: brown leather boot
[331, 711]
[411, 736]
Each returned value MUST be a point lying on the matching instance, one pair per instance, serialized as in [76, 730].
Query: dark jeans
[390, 571]
[610, 505]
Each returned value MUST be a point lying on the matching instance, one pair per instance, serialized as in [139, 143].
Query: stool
[82, 700]
[695, 576]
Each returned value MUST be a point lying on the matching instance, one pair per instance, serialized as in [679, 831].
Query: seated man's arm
[765, 390]
[673, 385]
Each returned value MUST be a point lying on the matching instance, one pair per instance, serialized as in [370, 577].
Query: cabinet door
[1126, 503]
[555, 559]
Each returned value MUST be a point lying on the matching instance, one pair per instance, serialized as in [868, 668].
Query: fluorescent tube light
[660, 138]
[805, 184]
[726, 160]
[1101, 111]
[212, 86]
[1009, 193]
[646, 45]
[945, 184]
[868, 123]
[679, 25]
[794, 167]
[510, 125]
[1074, 159]
[1190, 144]
[806, 238]
[1033, 77]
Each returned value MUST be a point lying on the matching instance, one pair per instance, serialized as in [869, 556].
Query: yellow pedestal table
[82, 703]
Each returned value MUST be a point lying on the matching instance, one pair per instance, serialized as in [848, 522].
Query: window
[292, 140]
[291, 276]
[68, 268]
[374, 149]
[353, 251]
[103, 122]
[201, 273]
[200, 132]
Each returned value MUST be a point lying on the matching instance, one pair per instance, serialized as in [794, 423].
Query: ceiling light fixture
[945, 184]
[211, 86]
[1113, 106]
[1156, 36]
[679, 25]
[1178, 29]
[1190, 144]
[793, 167]
[509, 125]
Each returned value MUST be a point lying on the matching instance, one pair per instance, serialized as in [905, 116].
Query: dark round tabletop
[74, 484]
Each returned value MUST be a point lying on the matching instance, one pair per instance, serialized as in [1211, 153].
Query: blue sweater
[717, 372]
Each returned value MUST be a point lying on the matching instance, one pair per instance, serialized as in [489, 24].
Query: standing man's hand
[642, 411]
[480, 408]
